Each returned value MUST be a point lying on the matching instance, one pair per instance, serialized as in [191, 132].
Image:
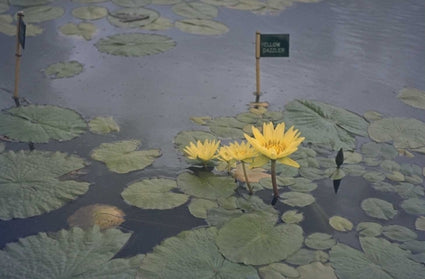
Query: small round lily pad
[340, 223]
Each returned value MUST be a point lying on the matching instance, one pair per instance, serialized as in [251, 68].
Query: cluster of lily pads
[244, 236]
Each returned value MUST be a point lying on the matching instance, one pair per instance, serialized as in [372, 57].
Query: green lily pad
[161, 23]
[90, 12]
[372, 116]
[278, 271]
[123, 157]
[279, 5]
[369, 229]
[2, 147]
[184, 138]
[420, 223]
[221, 2]
[340, 224]
[354, 170]
[78, 253]
[226, 127]
[201, 26]
[292, 217]
[71, 68]
[399, 233]
[414, 246]
[403, 132]
[297, 199]
[191, 255]
[6, 26]
[200, 207]
[374, 176]
[135, 44]
[415, 206]
[306, 256]
[102, 215]
[247, 5]
[320, 241]
[68, 69]
[195, 10]
[39, 14]
[379, 150]
[154, 193]
[419, 258]
[303, 185]
[254, 239]
[103, 125]
[132, 3]
[28, 3]
[39, 124]
[31, 183]
[321, 123]
[206, 185]
[378, 208]
[316, 270]
[413, 97]
[132, 17]
[165, 2]
[381, 259]
[4, 6]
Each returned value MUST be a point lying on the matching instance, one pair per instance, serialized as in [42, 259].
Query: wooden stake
[18, 59]
[257, 64]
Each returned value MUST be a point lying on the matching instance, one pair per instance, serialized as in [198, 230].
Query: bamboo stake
[257, 64]
[18, 59]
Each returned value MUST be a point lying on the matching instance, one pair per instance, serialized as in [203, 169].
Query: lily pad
[403, 132]
[39, 124]
[415, 246]
[90, 12]
[201, 26]
[83, 29]
[132, 17]
[31, 183]
[255, 239]
[78, 253]
[340, 224]
[278, 271]
[2, 147]
[6, 26]
[320, 241]
[247, 5]
[292, 217]
[221, 2]
[303, 185]
[226, 127]
[195, 10]
[165, 2]
[161, 23]
[420, 223]
[297, 199]
[154, 193]
[4, 6]
[135, 44]
[71, 68]
[102, 215]
[369, 229]
[378, 208]
[103, 125]
[123, 157]
[372, 116]
[316, 270]
[192, 255]
[200, 207]
[379, 150]
[381, 259]
[306, 256]
[206, 185]
[399, 233]
[28, 3]
[413, 97]
[39, 14]
[184, 138]
[415, 206]
[132, 3]
[321, 123]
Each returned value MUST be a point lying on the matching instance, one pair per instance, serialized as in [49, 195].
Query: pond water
[352, 54]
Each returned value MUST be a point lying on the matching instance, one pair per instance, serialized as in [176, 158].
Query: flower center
[277, 145]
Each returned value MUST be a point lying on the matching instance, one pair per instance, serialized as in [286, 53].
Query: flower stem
[273, 169]
[246, 178]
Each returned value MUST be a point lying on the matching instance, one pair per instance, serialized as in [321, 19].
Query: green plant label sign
[274, 45]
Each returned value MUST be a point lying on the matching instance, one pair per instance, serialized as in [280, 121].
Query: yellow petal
[288, 161]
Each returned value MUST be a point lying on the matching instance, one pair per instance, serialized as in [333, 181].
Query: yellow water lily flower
[275, 144]
[242, 151]
[202, 151]
[224, 154]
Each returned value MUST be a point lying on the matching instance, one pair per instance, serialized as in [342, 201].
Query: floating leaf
[384, 150]
[374, 176]
[192, 255]
[226, 127]
[221, 2]
[292, 217]
[90, 12]
[39, 124]
[297, 199]
[123, 157]
[415, 206]
[381, 259]
[154, 193]
[420, 223]
[131, 3]
[4, 6]
[66, 69]
[39, 14]
[278, 271]
[2, 147]
[254, 239]
[132, 17]
[320, 241]
[306, 256]
[413, 97]
[340, 224]
[206, 185]
[102, 215]
[303, 185]
[161, 23]
[68, 254]
[316, 270]
[103, 125]
[403, 132]
[135, 44]
[6, 26]
[200, 207]
[415, 246]
[369, 229]
[399, 233]
[419, 258]
[195, 10]
[26, 3]
[165, 2]
[372, 116]
[31, 183]
[378, 208]
[184, 138]
[201, 26]
[247, 5]
[89, 1]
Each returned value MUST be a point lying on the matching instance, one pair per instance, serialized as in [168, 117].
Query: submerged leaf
[132, 17]
[70, 68]
[102, 215]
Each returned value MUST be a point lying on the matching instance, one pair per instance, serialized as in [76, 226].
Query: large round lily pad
[123, 156]
[31, 183]
[154, 193]
[39, 14]
[135, 44]
[255, 239]
[68, 254]
[403, 132]
[325, 124]
[39, 124]
[191, 255]
[201, 26]
[195, 10]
